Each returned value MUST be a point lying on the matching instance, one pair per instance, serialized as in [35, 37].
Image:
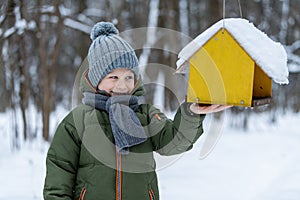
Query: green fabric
[82, 155]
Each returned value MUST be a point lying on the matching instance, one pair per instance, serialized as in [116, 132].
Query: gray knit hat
[109, 52]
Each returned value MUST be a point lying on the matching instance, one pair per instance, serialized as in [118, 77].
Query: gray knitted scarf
[126, 127]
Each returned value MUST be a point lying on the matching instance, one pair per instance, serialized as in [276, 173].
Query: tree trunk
[169, 18]
[43, 74]
[215, 13]
[50, 74]
[24, 82]
[12, 63]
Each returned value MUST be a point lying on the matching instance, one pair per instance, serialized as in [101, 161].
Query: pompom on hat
[108, 52]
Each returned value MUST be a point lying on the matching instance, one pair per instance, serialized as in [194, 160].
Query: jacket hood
[86, 86]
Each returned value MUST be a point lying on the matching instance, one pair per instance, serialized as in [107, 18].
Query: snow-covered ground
[260, 164]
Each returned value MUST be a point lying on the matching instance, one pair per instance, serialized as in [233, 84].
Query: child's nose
[120, 85]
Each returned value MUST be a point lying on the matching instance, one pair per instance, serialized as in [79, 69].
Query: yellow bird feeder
[232, 63]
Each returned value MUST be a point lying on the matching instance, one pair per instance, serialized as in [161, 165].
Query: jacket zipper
[82, 193]
[151, 194]
[118, 175]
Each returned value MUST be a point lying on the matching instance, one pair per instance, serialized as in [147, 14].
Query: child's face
[118, 82]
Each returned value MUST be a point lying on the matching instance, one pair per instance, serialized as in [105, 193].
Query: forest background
[43, 44]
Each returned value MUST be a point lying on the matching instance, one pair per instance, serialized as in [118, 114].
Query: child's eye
[113, 77]
[129, 77]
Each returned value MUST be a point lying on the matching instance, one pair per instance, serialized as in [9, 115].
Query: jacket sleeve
[61, 163]
[170, 137]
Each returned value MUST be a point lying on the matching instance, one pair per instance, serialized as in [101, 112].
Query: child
[103, 149]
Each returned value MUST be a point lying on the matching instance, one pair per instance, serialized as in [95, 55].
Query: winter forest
[44, 45]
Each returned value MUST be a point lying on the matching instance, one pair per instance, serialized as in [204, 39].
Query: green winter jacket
[82, 162]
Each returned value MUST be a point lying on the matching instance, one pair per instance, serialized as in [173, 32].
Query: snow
[159, 92]
[77, 25]
[83, 18]
[269, 55]
[2, 17]
[32, 25]
[94, 12]
[9, 32]
[294, 68]
[184, 22]
[64, 11]
[22, 173]
[260, 164]
[47, 9]
[21, 25]
[151, 35]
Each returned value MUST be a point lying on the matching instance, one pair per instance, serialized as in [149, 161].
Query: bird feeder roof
[269, 55]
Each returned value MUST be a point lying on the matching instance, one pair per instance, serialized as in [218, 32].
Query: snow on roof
[269, 55]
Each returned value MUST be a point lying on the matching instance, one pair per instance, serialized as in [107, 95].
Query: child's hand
[207, 108]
